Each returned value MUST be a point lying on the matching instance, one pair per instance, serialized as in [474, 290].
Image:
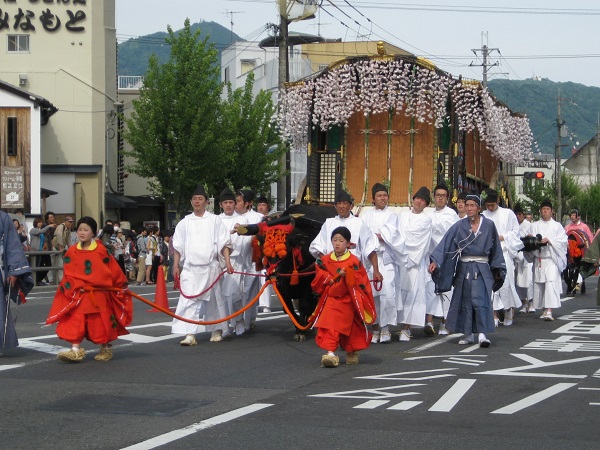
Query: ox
[283, 241]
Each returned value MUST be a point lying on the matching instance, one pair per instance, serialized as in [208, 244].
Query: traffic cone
[160, 296]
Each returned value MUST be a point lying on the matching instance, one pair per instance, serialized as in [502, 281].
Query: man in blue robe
[16, 280]
[470, 257]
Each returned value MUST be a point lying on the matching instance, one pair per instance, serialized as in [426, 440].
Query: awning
[44, 193]
[146, 200]
[116, 201]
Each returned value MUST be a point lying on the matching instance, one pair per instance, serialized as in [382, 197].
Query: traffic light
[533, 175]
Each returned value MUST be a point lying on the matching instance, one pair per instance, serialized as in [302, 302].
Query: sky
[544, 38]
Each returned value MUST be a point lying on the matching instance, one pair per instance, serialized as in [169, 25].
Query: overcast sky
[559, 40]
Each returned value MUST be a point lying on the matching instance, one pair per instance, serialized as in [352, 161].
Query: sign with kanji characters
[13, 187]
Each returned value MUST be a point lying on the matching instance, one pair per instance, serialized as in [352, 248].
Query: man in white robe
[508, 229]
[232, 285]
[414, 275]
[523, 268]
[442, 218]
[264, 302]
[243, 207]
[548, 262]
[202, 246]
[385, 300]
[365, 243]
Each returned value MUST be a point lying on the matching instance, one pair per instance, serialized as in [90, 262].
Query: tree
[571, 193]
[589, 206]
[248, 134]
[174, 128]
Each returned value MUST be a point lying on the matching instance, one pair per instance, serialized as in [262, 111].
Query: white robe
[508, 227]
[548, 264]
[414, 274]
[441, 221]
[232, 285]
[523, 268]
[385, 300]
[361, 235]
[251, 281]
[200, 241]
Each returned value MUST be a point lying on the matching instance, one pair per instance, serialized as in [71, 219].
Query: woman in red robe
[346, 302]
[84, 306]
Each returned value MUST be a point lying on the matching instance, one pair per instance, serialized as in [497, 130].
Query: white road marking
[402, 375]
[405, 405]
[534, 399]
[195, 427]
[434, 343]
[463, 361]
[537, 364]
[453, 396]
[11, 366]
[470, 349]
[371, 404]
[32, 344]
[372, 394]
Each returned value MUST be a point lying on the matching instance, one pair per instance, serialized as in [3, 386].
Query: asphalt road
[537, 387]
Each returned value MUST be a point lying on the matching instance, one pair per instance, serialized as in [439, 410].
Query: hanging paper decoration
[409, 87]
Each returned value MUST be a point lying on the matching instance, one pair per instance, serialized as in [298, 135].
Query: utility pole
[231, 13]
[485, 52]
[558, 158]
[284, 183]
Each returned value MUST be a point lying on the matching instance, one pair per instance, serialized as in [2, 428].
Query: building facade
[65, 52]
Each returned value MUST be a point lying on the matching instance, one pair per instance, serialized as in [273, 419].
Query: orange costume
[82, 306]
[346, 306]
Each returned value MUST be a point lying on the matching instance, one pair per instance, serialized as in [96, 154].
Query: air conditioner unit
[22, 79]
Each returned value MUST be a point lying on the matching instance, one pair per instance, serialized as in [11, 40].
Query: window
[247, 65]
[226, 75]
[11, 148]
[18, 43]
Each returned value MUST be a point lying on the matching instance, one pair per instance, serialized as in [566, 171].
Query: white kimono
[414, 274]
[199, 241]
[232, 285]
[385, 300]
[361, 235]
[251, 282]
[548, 264]
[508, 226]
[441, 221]
[524, 269]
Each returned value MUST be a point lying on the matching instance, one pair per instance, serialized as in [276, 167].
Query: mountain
[538, 99]
[133, 55]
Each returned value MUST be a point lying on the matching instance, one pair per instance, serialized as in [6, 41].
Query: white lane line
[195, 427]
[11, 366]
[461, 362]
[588, 389]
[31, 344]
[405, 405]
[434, 343]
[534, 399]
[594, 404]
[453, 396]
[371, 404]
[470, 349]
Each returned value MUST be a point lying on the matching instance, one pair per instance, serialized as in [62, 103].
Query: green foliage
[539, 100]
[247, 133]
[571, 193]
[173, 129]
[589, 206]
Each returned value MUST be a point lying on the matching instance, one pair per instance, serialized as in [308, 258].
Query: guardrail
[32, 258]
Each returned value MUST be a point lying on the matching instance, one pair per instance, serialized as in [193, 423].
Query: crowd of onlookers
[139, 254]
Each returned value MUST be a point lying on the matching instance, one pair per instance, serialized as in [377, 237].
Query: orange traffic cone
[160, 296]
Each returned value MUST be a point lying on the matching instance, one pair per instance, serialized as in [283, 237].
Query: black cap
[247, 194]
[343, 196]
[200, 191]
[424, 194]
[489, 196]
[518, 209]
[227, 194]
[262, 199]
[378, 187]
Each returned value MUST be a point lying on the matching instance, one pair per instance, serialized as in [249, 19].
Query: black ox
[284, 241]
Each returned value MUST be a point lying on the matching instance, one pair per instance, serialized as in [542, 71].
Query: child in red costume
[346, 303]
[83, 306]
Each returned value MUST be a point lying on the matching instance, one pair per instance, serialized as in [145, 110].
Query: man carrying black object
[479, 271]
